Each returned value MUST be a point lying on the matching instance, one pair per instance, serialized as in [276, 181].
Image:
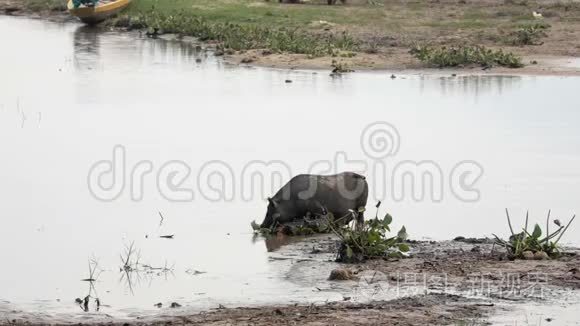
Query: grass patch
[263, 13]
[242, 36]
[45, 5]
[537, 244]
[530, 34]
[455, 56]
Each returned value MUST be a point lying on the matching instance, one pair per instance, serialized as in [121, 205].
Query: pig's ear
[273, 202]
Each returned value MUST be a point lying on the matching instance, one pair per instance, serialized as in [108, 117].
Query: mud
[430, 309]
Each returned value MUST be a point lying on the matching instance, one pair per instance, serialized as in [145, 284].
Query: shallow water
[69, 95]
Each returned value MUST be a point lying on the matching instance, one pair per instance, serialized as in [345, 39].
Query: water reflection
[86, 44]
[473, 85]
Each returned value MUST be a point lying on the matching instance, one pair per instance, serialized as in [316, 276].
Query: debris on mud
[430, 309]
[341, 274]
[473, 240]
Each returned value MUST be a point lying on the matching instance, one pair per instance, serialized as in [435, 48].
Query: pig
[340, 194]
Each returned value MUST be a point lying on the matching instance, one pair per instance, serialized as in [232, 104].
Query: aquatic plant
[527, 245]
[454, 56]
[369, 239]
[130, 258]
[241, 36]
[93, 277]
[308, 225]
[529, 34]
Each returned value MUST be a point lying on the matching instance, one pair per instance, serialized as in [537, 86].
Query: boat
[99, 12]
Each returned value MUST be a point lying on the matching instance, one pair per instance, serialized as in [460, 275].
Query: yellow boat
[101, 11]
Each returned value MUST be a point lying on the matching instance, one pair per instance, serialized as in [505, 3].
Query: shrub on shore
[455, 56]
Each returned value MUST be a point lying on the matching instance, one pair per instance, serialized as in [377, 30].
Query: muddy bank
[453, 266]
[430, 309]
[433, 309]
[557, 57]
[398, 60]
[441, 283]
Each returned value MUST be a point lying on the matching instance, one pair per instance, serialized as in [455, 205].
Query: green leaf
[537, 232]
[361, 209]
[388, 219]
[403, 247]
[255, 226]
[374, 237]
[395, 255]
[402, 235]
[349, 252]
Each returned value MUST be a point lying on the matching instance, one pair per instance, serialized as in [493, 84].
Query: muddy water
[69, 95]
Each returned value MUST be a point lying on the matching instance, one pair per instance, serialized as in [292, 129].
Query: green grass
[271, 14]
[41, 5]
[239, 36]
[454, 56]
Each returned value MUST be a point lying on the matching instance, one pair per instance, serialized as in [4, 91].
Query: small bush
[525, 245]
[529, 34]
[465, 55]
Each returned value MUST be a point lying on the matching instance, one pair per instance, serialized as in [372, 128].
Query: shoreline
[396, 60]
[479, 284]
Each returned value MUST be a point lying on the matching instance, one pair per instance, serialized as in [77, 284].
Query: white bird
[537, 15]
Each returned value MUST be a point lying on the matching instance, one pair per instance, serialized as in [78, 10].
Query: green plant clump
[529, 34]
[339, 67]
[242, 36]
[308, 225]
[465, 55]
[370, 240]
[535, 245]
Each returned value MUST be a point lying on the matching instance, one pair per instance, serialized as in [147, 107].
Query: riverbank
[431, 309]
[459, 282]
[358, 36]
